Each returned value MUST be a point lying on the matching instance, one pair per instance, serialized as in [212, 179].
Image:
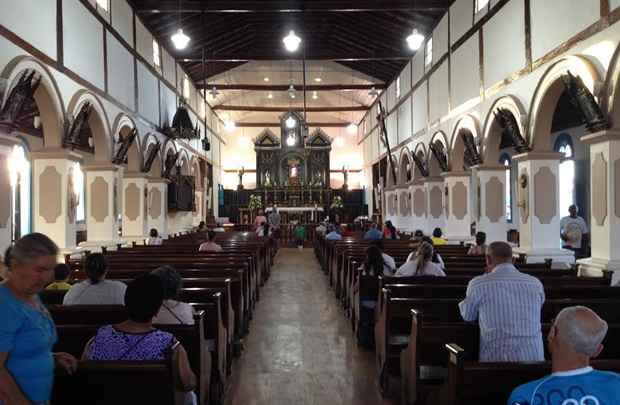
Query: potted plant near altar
[337, 207]
[254, 204]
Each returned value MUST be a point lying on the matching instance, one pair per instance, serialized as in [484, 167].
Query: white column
[101, 226]
[134, 207]
[198, 214]
[436, 217]
[6, 191]
[54, 199]
[391, 206]
[157, 205]
[605, 203]
[491, 190]
[539, 208]
[459, 213]
[419, 206]
[405, 215]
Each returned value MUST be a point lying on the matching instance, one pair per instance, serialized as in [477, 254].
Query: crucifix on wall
[240, 173]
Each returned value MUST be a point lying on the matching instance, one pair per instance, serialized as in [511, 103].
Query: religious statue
[345, 173]
[240, 173]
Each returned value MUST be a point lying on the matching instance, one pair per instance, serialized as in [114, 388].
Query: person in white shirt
[154, 238]
[572, 230]
[422, 264]
[210, 245]
[172, 311]
[436, 256]
[389, 264]
[96, 290]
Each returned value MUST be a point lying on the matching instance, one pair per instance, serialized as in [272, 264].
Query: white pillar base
[594, 267]
[98, 245]
[562, 258]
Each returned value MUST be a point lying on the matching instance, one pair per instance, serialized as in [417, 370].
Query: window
[103, 5]
[505, 161]
[564, 145]
[156, 55]
[429, 52]
[397, 88]
[481, 5]
[19, 175]
[186, 88]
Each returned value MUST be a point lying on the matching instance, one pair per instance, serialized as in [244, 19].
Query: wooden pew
[119, 382]
[471, 382]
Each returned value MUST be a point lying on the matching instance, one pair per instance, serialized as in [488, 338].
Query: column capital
[158, 180]
[100, 167]
[136, 175]
[547, 155]
[56, 154]
[489, 168]
[434, 179]
[601, 136]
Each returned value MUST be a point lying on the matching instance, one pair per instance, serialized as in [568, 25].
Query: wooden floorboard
[300, 349]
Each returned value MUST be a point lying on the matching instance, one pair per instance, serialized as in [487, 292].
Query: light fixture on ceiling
[291, 41]
[230, 125]
[291, 91]
[339, 142]
[415, 40]
[318, 79]
[214, 93]
[290, 140]
[373, 92]
[290, 122]
[352, 129]
[315, 95]
[270, 95]
[265, 79]
[179, 39]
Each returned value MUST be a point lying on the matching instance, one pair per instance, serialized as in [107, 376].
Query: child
[61, 276]
[299, 233]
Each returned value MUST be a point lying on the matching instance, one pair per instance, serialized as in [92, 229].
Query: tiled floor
[300, 349]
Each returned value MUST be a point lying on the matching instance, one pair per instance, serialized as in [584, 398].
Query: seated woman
[480, 248]
[154, 239]
[136, 339]
[172, 311]
[436, 256]
[61, 278]
[210, 245]
[96, 290]
[389, 231]
[438, 238]
[422, 264]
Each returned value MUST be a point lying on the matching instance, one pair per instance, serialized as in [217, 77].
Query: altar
[296, 209]
[305, 215]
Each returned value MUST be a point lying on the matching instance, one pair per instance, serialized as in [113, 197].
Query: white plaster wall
[122, 19]
[438, 102]
[465, 72]
[417, 66]
[440, 39]
[120, 72]
[392, 129]
[391, 97]
[144, 41]
[148, 104]
[420, 114]
[461, 12]
[168, 104]
[500, 58]
[553, 22]
[20, 16]
[168, 66]
[404, 120]
[83, 42]
[613, 4]
[405, 79]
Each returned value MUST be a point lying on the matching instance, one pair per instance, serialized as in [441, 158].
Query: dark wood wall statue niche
[151, 155]
[20, 112]
[511, 135]
[471, 154]
[78, 134]
[439, 151]
[123, 145]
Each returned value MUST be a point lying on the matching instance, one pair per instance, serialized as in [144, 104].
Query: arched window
[507, 163]
[564, 145]
[20, 176]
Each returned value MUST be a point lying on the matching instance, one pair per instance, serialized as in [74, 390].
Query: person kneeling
[575, 337]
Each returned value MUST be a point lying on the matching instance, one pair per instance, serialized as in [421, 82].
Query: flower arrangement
[337, 203]
[255, 203]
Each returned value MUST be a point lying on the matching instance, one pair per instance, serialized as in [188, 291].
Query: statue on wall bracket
[583, 100]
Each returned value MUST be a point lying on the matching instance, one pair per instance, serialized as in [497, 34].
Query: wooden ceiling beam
[287, 6]
[298, 87]
[222, 107]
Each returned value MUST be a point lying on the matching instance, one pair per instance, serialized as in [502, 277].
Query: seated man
[507, 305]
[373, 233]
[574, 338]
[333, 233]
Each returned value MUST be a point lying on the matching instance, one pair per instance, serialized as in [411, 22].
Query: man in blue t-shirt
[573, 340]
[373, 233]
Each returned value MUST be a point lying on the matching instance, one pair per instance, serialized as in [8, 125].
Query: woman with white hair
[575, 338]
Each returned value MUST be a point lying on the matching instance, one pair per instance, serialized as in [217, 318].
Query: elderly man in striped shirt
[507, 305]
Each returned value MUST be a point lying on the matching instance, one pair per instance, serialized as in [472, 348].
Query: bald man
[575, 337]
[507, 304]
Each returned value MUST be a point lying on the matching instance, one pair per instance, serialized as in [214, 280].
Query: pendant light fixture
[214, 93]
[291, 41]
[291, 122]
[373, 92]
[290, 141]
[291, 91]
[179, 39]
[352, 129]
[415, 39]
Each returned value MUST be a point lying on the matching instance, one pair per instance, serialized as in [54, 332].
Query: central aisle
[300, 349]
